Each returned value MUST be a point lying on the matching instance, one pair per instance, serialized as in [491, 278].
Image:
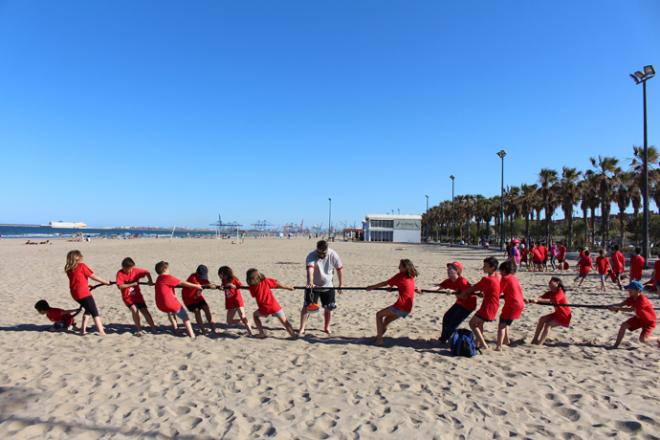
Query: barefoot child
[233, 298]
[166, 298]
[260, 290]
[637, 264]
[195, 301]
[62, 319]
[489, 288]
[561, 316]
[618, 265]
[79, 274]
[644, 318]
[603, 266]
[584, 266]
[404, 281]
[463, 307]
[128, 282]
[514, 302]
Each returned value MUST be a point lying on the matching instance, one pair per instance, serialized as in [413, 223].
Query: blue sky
[162, 113]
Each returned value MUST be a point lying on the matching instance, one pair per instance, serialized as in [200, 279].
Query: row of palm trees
[604, 184]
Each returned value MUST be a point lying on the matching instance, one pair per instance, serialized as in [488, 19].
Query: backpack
[463, 344]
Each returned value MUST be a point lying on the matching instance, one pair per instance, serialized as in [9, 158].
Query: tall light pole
[502, 155]
[329, 218]
[427, 202]
[452, 177]
[640, 78]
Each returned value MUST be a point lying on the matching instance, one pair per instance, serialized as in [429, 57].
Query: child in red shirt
[233, 298]
[128, 282]
[618, 265]
[195, 301]
[166, 298]
[561, 256]
[637, 263]
[79, 274]
[584, 266]
[463, 307]
[260, 290]
[62, 319]
[603, 266]
[404, 281]
[644, 318]
[560, 317]
[514, 303]
[489, 288]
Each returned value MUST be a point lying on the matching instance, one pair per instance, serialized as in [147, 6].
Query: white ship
[67, 225]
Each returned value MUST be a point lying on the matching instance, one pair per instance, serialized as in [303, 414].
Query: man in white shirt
[320, 267]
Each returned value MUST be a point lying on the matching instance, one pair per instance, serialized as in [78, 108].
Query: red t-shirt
[78, 284]
[618, 262]
[561, 253]
[603, 264]
[584, 265]
[233, 297]
[656, 268]
[469, 303]
[165, 297]
[643, 308]
[406, 287]
[190, 295]
[636, 267]
[513, 297]
[544, 252]
[131, 295]
[490, 287]
[537, 255]
[264, 296]
[561, 314]
[57, 315]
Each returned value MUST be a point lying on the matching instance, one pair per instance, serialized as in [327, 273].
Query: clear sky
[162, 113]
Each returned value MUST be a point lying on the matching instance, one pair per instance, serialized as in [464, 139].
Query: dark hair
[161, 267]
[42, 305]
[225, 273]
[508, 267]
[616, 247]
[127, 262]
[253, 277]
[586, 252]
[559, 281]
[321, 245]
[638, 250]
[601, 252]
[409, 267]
[492, 262]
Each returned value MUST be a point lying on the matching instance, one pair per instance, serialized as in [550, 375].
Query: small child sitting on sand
[644, 318]
[260, 290]
[62, 319]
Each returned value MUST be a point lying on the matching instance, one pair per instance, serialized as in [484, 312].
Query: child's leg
[383, 318]
[539, 328]
[501, 334]
[189, 328]
[99, 325]
[304, 316]
[136, 318]
[244, 320]
[477, 327]
[546, 330]
[172, 319]
[85, 322]
[198, 320]
[230, 317]
[602, 283]
[327, 315]
[209, 318]
[257, 322]
[287, 325]
[148, 317]
[507, 341]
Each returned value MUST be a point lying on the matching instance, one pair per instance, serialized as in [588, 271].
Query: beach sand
[57, 385]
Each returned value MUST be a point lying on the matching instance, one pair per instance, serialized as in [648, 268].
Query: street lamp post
[329, 218]
[427, 202]
[452, 177]
[426, 229]
[640, 77]
[502, 155]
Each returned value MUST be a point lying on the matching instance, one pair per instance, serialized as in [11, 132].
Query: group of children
[491, 288]
[615, 269]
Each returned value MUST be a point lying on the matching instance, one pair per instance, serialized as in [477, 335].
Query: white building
[395, 228]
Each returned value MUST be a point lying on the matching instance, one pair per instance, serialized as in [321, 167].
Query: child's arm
[191, 285]
[620, 307]
[71, 311]
[149, 279]
[539, 300]
[472, 290]
[377, 286]
[100, 280]
[127, 285]
[283, 286]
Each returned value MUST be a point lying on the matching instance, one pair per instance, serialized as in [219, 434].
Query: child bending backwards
[166, 298]
[404, 281]
[62, 319]
[644, 314]
[195, 301]
[260, 290]
[463, 307]
[561, 317]
[489, 288]
[128, 282]
[233, 298]
[514, 302]
[584, 266]
[603, 266]
[79, 274]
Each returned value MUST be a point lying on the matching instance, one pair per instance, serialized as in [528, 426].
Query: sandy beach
[59, 385]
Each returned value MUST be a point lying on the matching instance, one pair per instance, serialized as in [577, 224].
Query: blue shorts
[397, 312]
[278, 314]
[182, 314]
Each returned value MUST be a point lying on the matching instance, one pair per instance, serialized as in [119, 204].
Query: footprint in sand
[629, 426]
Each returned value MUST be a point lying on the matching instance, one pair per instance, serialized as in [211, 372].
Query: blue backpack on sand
[462, 343]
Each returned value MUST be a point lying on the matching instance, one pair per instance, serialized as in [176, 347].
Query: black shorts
[89, 306]
[192, 308]
[138, 306]
[506, 321]
[483, 319]
[327, 298]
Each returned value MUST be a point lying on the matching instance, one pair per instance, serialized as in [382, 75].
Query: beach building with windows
[395, 228]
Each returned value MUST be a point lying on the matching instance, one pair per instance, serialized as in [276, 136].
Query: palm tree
[526, 204]
[570, 195]
[547, 181]
[622, 198]
[605, 168]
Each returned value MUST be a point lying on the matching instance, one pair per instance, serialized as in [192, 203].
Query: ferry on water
[67, 225]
